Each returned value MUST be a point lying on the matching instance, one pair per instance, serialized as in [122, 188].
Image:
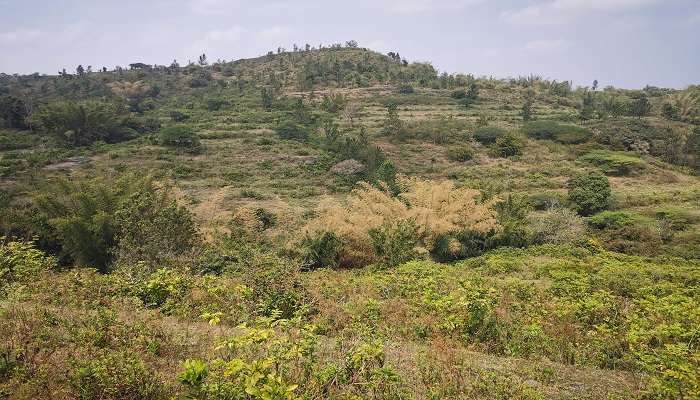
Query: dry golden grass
[437, 207]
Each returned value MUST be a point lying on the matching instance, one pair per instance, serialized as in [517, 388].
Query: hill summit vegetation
[335, 223]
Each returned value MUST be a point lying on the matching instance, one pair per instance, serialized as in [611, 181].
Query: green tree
[528, 111]
[82, 123]
[179, 136]
[587, 109]
[589, 193]
[267, 98]
[13, 112]
[640, 107]
[508, 146]
[153, 228]
[393, 125]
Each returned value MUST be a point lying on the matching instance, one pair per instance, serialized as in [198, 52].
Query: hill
[338, 223]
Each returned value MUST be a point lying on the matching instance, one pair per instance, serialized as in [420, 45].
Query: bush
[179, 136]
[589, 193]
[439, 210]
[406, 89]
[395, 243]
[83, 123]
[178, 116]
[611, 219]
[90, 218]
[556, 226]
[153, 229]
[290, 130]
[13, 112]
[460, 153]
[550, 130]
[21, 262]
[488, 134]
[612, 163]
[508, 146]
[115, 376]
[322, 250]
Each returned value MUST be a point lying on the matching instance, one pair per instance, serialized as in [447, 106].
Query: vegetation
[551, 130]
[334, 223]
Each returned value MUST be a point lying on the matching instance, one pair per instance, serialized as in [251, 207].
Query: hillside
[338, 223]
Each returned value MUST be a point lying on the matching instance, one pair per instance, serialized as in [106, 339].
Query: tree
[641, 106]
[290, 129]
[670, 111]
[587, 106]
[589, 193]
[508, 146]
[153, 228]
[13, 112]
[393, 126]
[528, 112]
[179, 136]
[95, 220]
[595, 85]
[202, 60]
[352, 111]
[82, 123]
[80, 70]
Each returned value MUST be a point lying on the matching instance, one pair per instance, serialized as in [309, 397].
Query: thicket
[551, 130]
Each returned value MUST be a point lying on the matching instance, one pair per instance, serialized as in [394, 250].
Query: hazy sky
[625, 43]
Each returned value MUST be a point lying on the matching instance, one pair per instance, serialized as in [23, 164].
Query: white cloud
[276, 32]
[417, 6]
[19, 36]
[693, 20]
[210, 7]
[546, 45]
[225, 35]
[562, 11]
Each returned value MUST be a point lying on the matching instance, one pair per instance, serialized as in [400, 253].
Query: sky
[624, 43]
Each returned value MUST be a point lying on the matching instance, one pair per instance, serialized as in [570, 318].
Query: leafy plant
[550, 130]
[589, 193]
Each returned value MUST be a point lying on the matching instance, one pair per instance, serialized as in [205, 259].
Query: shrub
[21, 262]
[13, 112]
[395, 242]
[545, 200]
[90, 218]
[589, 193]
[613, 163]
[550, 130]
[438, 209]
[508, 146]
[153, 228]
[290, 130]
[458, 94]
[406, 89]
[83, 123]
[322, 250]
[488, 134]
[178, 116]
[179, 136]
[161, 286]
[556, 226]
[115, 376]
[511, 214]
[611, 219]
[460, 153]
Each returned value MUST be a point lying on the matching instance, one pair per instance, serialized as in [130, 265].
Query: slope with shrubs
[337, 223]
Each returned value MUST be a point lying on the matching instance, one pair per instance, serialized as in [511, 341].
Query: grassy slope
[244, 163]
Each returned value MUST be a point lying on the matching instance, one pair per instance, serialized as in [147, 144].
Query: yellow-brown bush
[438, 208]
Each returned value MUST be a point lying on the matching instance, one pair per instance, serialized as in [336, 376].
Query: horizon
[622, 43]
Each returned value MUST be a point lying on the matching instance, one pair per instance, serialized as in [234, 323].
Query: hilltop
[346, 224]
